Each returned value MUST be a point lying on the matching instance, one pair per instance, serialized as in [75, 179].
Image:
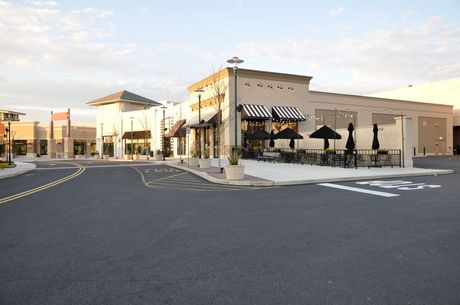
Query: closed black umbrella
[272, 139]
[350, 142]
[375, 141]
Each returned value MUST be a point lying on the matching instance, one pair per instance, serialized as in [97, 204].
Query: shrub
[206, 154]
[233, 158]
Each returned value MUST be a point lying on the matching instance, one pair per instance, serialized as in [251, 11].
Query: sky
[56, 55]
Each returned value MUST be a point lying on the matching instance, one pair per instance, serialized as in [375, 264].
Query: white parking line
[356, 189]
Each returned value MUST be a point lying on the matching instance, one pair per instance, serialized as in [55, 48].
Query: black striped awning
[255, 112]
[287, 114]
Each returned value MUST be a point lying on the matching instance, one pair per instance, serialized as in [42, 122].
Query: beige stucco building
[271, 101]
[441, 92]
[29, 138]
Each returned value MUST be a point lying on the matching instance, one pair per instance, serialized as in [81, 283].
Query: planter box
[158, 157]
[193, 161]
[127, 157]
[234, 172]
[106, 157]
[205, 163]
[137, 157]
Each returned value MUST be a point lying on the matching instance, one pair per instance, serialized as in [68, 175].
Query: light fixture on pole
[9, 141]
[199, 91]
[235, 61]
[164, 131]
[102, 140]
[132, 144]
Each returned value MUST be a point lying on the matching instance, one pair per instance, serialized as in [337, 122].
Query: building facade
[268, 101]
[30, 138]
[441, 92]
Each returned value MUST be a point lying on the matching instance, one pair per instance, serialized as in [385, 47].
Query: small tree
[219, 90]
[145, 123]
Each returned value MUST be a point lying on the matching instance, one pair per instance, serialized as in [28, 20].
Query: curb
[270, 183]
[18, 172]
[223, 181]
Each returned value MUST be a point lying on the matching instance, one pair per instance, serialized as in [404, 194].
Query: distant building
[29, 138]
[124, 124]
[440, 92]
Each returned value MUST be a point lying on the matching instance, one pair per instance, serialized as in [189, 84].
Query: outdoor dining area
[349, 157]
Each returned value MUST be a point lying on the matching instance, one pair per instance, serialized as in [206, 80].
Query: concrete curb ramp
[271, 183]
[21, 168]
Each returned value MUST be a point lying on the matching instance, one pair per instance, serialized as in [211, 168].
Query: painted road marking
[359, 190]
[80, 171]
[187, 181]
[398, 184]
[93, 166]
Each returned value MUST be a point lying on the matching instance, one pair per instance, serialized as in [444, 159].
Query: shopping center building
[440, 92]
[265, 101]
[31, 138]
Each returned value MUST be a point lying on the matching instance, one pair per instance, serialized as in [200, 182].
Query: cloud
[336, 11]
[42, 37]
[43, 3]
[425, 51]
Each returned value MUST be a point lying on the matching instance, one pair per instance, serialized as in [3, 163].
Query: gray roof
[123, 96]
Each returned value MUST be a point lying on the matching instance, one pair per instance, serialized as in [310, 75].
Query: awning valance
[207, 118]
[255, 112]
[143, 134]
[287, 114]
[176, 130]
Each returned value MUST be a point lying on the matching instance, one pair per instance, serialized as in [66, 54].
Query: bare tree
[219, 90]
[145, 123]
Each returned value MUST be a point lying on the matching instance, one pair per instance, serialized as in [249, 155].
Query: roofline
[94, 103]
[227, 72]
[12, 112]
[381, 98]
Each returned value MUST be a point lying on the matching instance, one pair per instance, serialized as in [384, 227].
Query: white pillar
[405, 127]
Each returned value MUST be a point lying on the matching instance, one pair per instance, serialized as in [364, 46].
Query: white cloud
[337, 11]
[43, 3]
[426, 51]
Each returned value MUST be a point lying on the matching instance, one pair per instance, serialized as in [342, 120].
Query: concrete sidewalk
[21, 168]
[271, 174]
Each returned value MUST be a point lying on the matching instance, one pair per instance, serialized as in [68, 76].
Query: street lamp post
[199, 91]
[164, 130]
[9, 142]
[74, 129]
[235, 61]
[102, 140]
[132, 144]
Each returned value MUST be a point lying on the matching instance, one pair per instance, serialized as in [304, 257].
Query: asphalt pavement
[149, 234]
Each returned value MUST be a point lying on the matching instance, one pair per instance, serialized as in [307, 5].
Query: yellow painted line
[80, 171]
[161, 183]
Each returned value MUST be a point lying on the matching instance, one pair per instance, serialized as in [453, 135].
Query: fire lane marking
[359, 190]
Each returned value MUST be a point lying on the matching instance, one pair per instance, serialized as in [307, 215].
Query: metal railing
[339, 157]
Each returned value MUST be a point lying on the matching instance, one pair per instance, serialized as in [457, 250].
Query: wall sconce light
[270, 86]
[259, 85]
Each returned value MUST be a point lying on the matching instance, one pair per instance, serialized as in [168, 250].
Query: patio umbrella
[375, 141]
[350, 142]
[272, 139]
[259, 135]
[288, 133]
[325, 133]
